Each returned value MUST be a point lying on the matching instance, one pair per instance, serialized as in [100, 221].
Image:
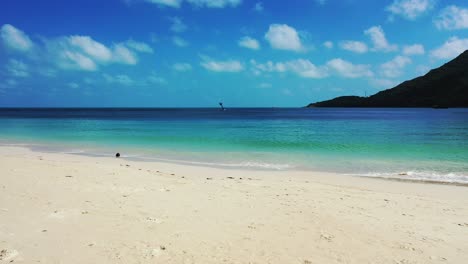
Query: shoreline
[106, 152]
[64, 208]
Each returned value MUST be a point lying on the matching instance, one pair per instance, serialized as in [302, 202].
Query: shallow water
[424, 144]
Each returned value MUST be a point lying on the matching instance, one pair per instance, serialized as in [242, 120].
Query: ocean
[415, 144]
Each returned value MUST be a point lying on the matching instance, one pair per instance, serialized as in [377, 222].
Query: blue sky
[175, 53]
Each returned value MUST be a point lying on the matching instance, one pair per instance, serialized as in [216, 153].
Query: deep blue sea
[426, 144]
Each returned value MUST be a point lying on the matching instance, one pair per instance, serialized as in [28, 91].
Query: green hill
[446, 86]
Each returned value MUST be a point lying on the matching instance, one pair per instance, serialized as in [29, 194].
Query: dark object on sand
[117, 155]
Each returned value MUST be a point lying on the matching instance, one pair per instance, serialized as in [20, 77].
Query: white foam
[449, 177]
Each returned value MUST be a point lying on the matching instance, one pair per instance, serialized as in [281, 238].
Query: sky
[196, 53]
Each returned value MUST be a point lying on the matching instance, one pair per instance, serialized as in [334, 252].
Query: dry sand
[58, 208]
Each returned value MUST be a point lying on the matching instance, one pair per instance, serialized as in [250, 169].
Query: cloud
[258, 7]
[383, 83]
[306, 69]
[379, 40]
[250, 43]
[349, 70]
[8, 83]
[15, 39]
[75, 52]
[121, 79]
[139, 46]
[221, 66]
[259, 68]
[73, 85]
[178, 25]
[16, 68]
[90, 47]
[182, 67]
[416, 49]
[75, 60]
[125, 80]
[354, 46]
[122, 54]
[394, 68]
[301, 67]
[284, 37]
[410, 9]
[328, 44]
[171, 3]
[215, 3]
[451, 48]
[452, 18]
[153, 78]
[180, 42]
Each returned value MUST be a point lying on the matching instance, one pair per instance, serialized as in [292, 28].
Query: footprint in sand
[7, 254]
[327, 237]
[154, 220]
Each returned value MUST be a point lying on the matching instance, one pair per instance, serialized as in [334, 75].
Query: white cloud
[75, 60]
[349, 70]
[301, 67]
[17, 68]
[180, 42]
[15, 39]
[178, 25]
[182, 67]
[410, 9]
[221, 66]
[283, 37]
[416, 49]
[452, 17]
[73, 52]
[155, 79]
[123, 55]
[258, 7]
[328, 44]
[379, 40]
[139, 46]
[354, 46]
[215, 3]
[451, 48]
[8, 83]
[73, 85]
[121, 79]
[394, 68]
[84, 53]
[383, 83]
[258, 68]
[171, 3]
[306, 69]
[250, 43]
[90, 48]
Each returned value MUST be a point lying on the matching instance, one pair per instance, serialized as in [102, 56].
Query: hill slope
[445, 86]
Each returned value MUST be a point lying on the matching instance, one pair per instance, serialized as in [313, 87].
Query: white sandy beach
[59, 208]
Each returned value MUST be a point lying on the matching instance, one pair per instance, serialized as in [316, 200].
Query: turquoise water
[426, 144]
